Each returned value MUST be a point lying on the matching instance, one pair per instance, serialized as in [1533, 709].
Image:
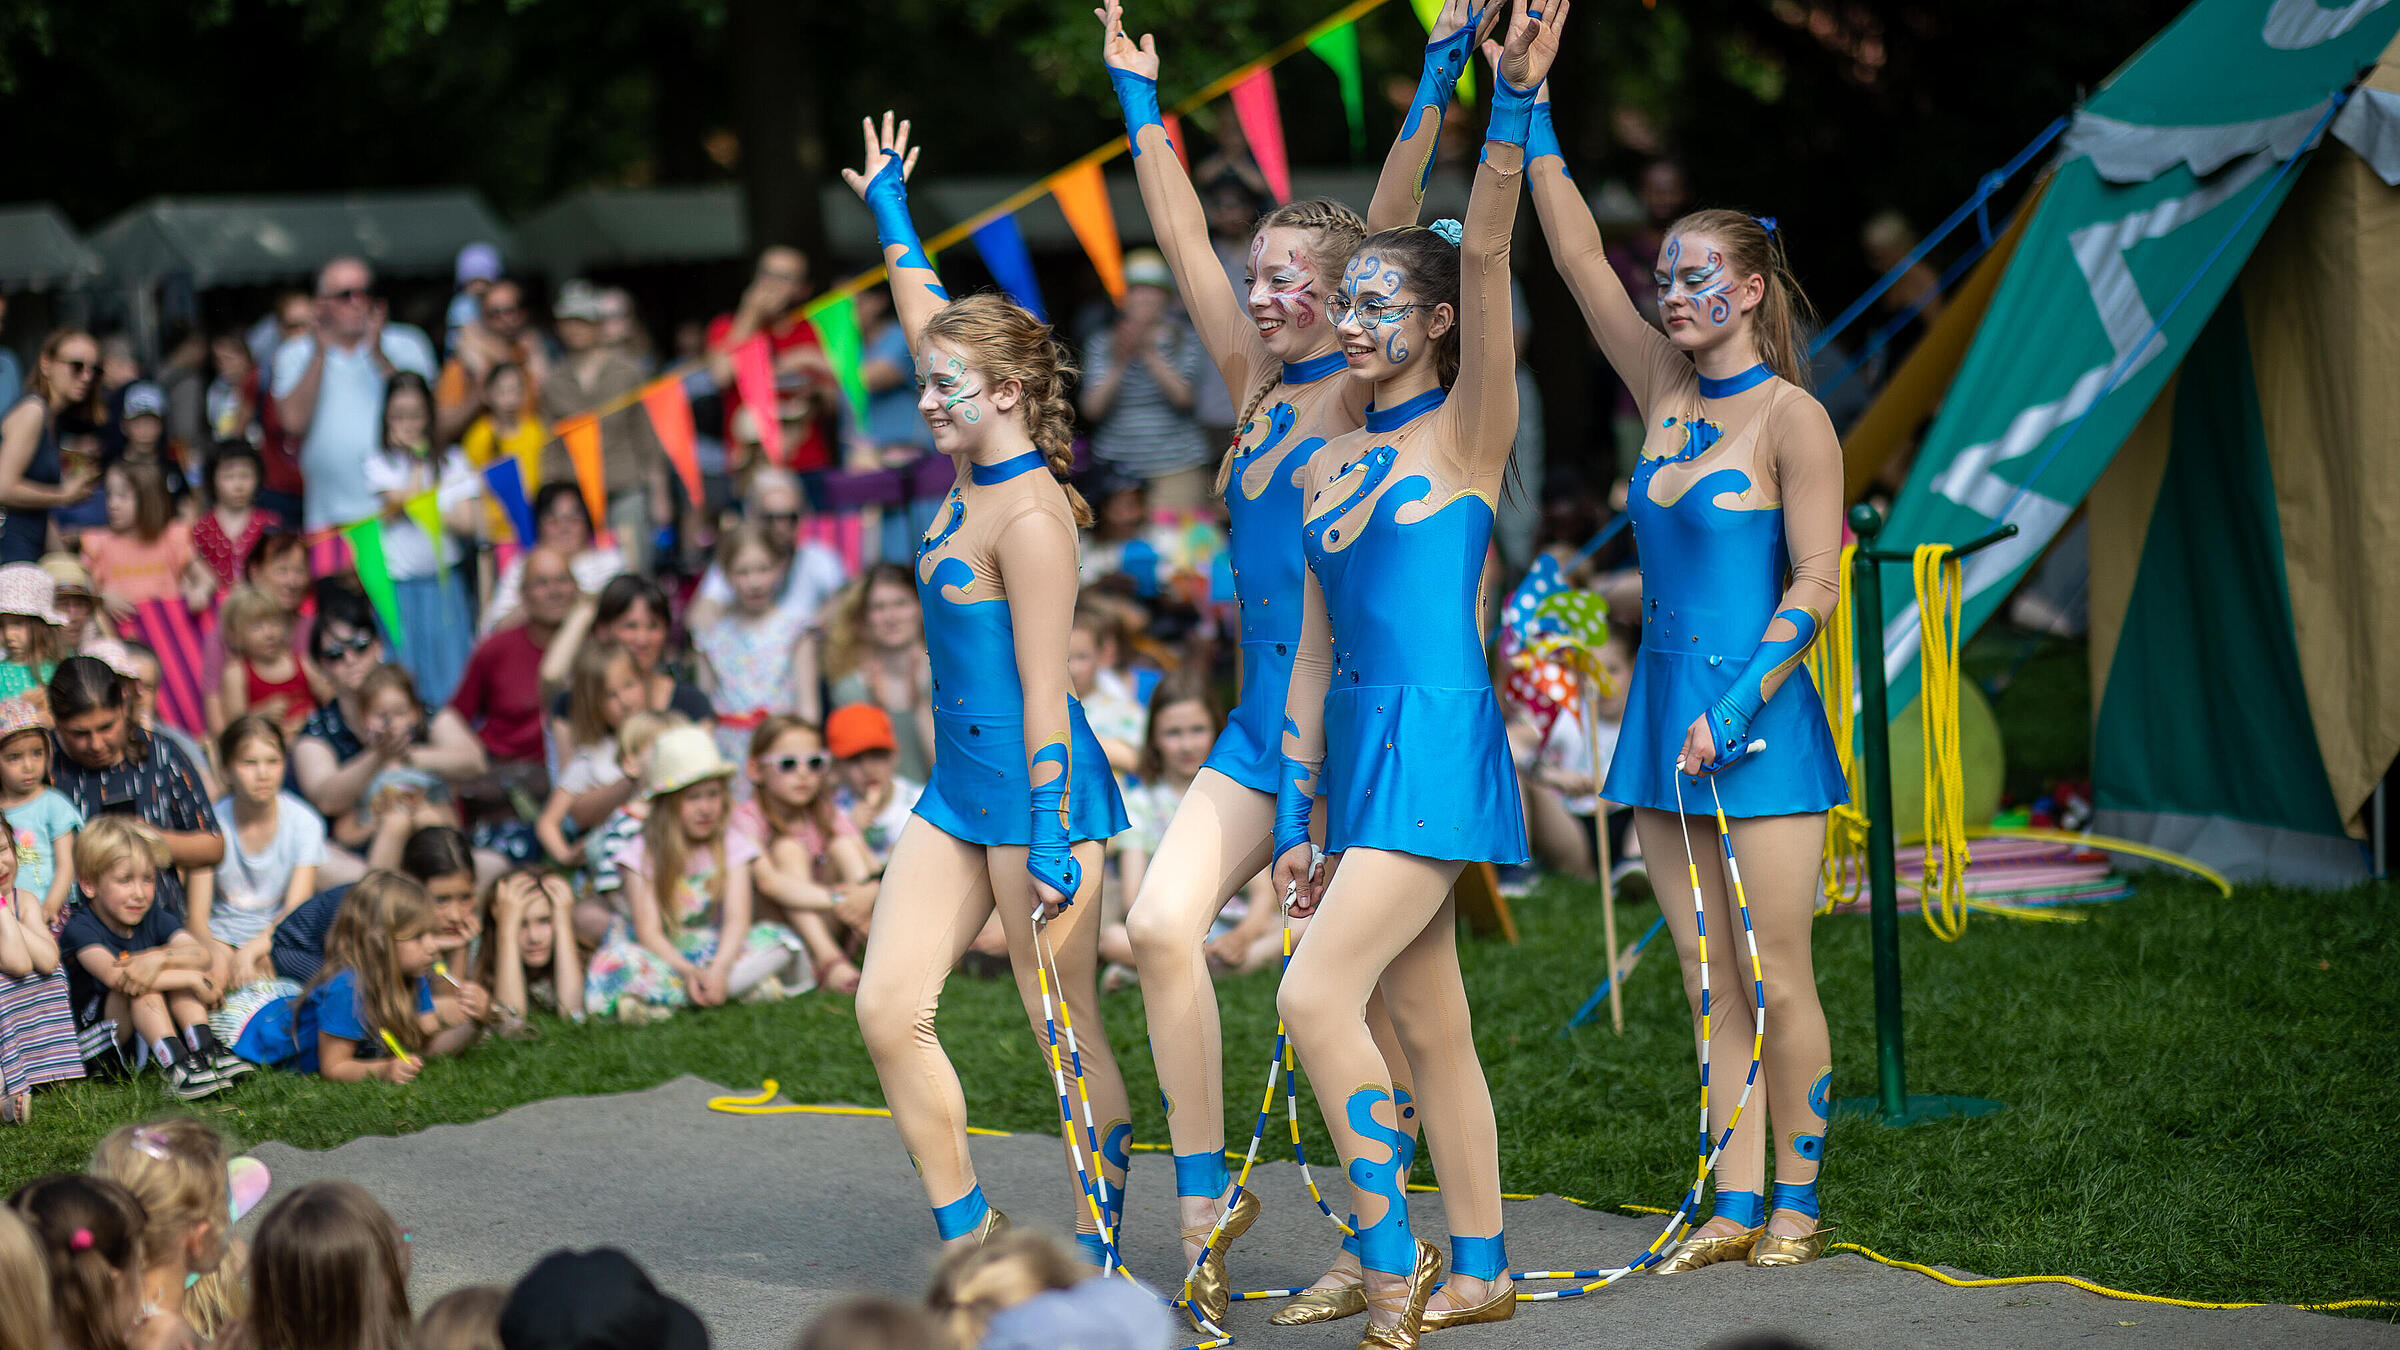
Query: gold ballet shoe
[1322, 1305]
[1774, 1249]
[1695, 1252]
[1500, 1307]
[1209, 1291]
[1421, 1281]
[994, 1224]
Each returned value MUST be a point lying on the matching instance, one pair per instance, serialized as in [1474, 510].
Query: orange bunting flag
[582, 435]
[670, 412]
[1082, 194]
[1262, 125]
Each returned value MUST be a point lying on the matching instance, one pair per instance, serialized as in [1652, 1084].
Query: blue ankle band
[961, 1216]
[1747, 1208]
[1479, 1258]
[1200, 1174]
[1801, 1199]
[1094, 1250]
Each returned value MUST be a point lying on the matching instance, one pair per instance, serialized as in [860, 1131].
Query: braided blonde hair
[1336, 231]
[1006, 343]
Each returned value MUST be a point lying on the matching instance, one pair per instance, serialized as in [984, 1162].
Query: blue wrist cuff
[1048, 858]
[1137, 95]
[1292, 803]
[1445, 62]
[1542, 139]
[1512, 114]
[887, 198]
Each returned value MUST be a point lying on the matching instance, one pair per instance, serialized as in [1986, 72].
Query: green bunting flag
[1338, 48]
[366, 549]
[837, 328]
[1427, 12]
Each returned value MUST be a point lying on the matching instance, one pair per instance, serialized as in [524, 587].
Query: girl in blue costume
[1020, 799]
[1276, 344]
[1392, 712]
[1737, 503]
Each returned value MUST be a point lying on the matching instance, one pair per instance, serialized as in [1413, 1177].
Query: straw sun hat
[680, 757]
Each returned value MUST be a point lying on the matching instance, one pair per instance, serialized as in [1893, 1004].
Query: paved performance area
[760, 1221]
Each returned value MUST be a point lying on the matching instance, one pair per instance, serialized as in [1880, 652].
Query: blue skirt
[1415, 769]
[436, 634]
[978, 791]
[1250, 748]
[1797, 774]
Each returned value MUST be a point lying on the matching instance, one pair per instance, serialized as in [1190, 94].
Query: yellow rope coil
[1940, 590]
[1832, 663]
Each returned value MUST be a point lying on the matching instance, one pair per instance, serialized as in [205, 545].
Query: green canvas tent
[39, 250]
[234, 241]
[2196, 330]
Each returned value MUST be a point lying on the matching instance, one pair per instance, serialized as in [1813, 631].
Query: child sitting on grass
[529, 957]
[37, 1019]
[815, 867]
[603, 903]
[176, 1169]
[139, 967]
[686, 879]
[42, 820]
[375, 991]
[873, 793]
[274, 843]
[605, 689]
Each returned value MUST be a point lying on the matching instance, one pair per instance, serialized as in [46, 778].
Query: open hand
[1120, 51]
[883, 145]
[1457, 14]
[1532, 45]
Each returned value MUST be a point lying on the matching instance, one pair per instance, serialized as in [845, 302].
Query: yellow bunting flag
[1082, 194]
[426, 510]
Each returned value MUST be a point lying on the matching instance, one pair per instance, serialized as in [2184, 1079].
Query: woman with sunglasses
[34, 480]
[337, 755]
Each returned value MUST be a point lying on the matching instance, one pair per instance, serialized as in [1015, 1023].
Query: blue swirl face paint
[1369, 301]
[954, 387]
[1387, 1244]
[1701, 281]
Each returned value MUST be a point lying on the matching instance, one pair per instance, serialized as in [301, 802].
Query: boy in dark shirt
[136, 965]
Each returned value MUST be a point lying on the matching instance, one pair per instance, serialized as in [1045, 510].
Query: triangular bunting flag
[837, 328]
[1262, 126]
[366, 552]
[754, 383]
[426, 510]
[504, 483]
[1338, 48]
[582, 435]
[670, 410]
[1174, 126]
[1002, 245]
[1082, 194]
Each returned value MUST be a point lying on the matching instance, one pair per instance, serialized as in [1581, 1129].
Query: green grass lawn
[2200, 1091]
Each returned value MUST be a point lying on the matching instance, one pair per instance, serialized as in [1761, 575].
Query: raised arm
[1302, 778]
[1036, 556]
[1400, 191]
[1176, 216]
[1808, 473]
[883, 185]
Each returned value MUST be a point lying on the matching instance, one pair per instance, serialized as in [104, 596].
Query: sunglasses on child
[331, 649]
[816, 763]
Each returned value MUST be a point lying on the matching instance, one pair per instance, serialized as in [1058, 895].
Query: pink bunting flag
[1262, 125]
[754, 380]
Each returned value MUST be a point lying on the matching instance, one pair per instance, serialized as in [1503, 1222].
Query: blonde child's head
[90, 1232]
[604, 688]
[328, 1272]
[24, 1286]
[117, 861]
[977, 1284]
[636, 735]
[255, 624]
[753, 559]
[176, 1168]
[464, 1319]
[1094, 644]
[872, 1322]
[385, 932]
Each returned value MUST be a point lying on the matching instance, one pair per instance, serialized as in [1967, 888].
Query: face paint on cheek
[1293, 292]
[958, 401]
[1712, 293]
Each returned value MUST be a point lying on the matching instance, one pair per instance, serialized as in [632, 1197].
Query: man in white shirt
[328, 387]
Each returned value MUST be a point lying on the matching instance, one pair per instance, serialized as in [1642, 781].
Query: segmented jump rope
[1065, 1055]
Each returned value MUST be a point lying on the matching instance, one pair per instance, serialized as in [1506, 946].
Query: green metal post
[1891, 1069]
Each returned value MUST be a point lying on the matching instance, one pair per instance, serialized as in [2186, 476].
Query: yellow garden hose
[1832, 663]
[1942, 896]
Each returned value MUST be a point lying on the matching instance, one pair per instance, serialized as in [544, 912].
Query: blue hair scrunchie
[1450, 230]
[1766, 223]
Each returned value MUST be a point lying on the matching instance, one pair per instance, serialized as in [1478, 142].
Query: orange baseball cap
[858, 728]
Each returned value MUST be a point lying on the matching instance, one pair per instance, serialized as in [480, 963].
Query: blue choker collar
[1314, 368]
[988, 474]
[1747, 380]
[1405, 412]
